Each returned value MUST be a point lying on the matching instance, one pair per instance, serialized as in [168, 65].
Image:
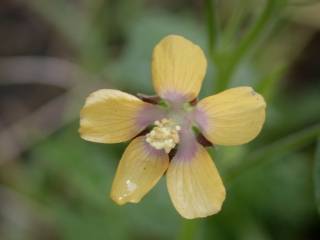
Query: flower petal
[178, 68]
[232, 117]
[140, 168]
[111, 116]
[194, 184]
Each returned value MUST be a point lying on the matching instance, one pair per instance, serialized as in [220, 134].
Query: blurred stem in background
[210, 9]
[226, 63]
[277, 148]
[189, 229]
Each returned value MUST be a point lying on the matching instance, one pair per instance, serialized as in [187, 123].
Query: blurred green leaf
[269, 84]
[300, 107]
[289, 143]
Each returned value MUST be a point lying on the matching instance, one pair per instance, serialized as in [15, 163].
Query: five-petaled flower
[165, 130]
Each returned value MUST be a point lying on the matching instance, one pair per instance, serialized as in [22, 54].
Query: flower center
[164, 135]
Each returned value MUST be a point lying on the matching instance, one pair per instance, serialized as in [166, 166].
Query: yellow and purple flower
[167, 131]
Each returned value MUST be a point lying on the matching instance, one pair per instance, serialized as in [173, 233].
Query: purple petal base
[200, 118]
[149, 114]
[174, 97]
[188, 146]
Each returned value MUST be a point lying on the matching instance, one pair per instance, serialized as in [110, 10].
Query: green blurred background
[53, 53]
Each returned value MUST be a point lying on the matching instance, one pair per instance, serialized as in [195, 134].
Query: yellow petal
[140, 168]
[194, 184]
[111, 116]
[232, 117]
[178, 68]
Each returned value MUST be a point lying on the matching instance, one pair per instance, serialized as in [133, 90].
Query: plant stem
[188, 229]
[210, 9]
[227, 69]
[284, 145]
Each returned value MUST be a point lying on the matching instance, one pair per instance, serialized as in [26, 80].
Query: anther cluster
[165, 135]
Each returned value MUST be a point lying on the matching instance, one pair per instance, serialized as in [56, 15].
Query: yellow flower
[163, 132]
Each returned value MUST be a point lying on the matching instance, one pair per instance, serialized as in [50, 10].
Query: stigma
[165, 135]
